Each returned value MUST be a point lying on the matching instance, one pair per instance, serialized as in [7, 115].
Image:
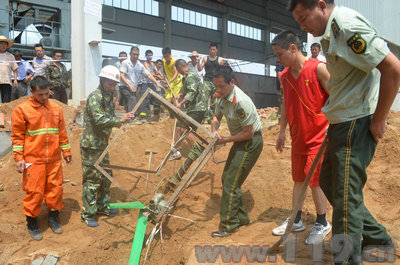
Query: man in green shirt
[365, 77]
[193, 94]
[246, 134]
[99, 119]
[195, 105]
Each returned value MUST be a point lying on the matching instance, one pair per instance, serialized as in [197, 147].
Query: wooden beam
[180, 113]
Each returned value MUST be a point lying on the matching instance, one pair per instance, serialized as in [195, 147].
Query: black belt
[257, 133]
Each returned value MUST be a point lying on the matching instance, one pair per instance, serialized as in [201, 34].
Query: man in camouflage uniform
[195, 102]
[99, 119]
[194, 97]
[58, 77]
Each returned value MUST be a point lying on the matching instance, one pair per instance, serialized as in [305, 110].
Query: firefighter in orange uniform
[38, 138]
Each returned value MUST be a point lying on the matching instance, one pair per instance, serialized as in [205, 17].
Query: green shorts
[195, 115]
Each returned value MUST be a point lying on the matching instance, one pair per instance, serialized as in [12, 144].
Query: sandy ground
[267, 195]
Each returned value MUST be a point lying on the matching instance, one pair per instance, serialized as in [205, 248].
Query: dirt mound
[8, 108]
[267, 195]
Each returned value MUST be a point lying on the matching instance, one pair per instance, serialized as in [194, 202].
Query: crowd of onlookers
[16, 73]
[160, 75]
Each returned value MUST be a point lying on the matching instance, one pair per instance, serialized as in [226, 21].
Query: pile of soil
[7, 109]
[267, 195]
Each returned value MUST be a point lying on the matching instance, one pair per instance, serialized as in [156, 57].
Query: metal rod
[127, 168]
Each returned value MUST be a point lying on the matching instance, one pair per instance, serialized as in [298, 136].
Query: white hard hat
[110, 72]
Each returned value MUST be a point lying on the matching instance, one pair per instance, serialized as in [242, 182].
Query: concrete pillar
[4, 18]
[267, 49]
[167, 23]
[267, 40]
[86, 56]
[224, 35]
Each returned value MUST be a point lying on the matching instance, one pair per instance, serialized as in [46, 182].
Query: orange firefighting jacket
[38, 132]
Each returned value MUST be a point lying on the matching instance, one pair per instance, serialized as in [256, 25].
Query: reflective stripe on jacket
[38, 132]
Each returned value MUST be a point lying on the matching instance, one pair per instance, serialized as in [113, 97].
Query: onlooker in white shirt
[41, 61]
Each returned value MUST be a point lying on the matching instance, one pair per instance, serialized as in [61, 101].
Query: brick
[2, 120]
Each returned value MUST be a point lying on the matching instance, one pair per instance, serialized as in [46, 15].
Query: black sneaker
[33, 228]
[53, 222]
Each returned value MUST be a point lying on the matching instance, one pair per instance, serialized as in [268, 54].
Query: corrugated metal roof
[383, 14]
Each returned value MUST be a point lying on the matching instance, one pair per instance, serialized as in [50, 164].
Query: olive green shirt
[353, 49]
[194, 92]
[99, 119]
[239, 111]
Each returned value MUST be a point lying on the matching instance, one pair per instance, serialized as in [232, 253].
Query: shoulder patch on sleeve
[240, 113]
[335, 28]
[357, 43]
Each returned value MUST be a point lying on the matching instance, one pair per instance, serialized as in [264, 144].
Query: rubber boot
[53, 222]
[33, 228]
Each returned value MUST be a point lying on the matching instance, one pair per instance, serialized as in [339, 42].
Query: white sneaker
[280, 230]
[175, 155]
[318, 233]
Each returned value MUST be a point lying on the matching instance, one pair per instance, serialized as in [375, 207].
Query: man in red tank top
[304, 89]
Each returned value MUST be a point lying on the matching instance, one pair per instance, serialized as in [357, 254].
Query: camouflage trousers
[95, 186]
[210, 90]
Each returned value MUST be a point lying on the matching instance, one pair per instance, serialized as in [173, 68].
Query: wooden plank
[179, 112]
[200, 137]
[200, 167]
[141, 100]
